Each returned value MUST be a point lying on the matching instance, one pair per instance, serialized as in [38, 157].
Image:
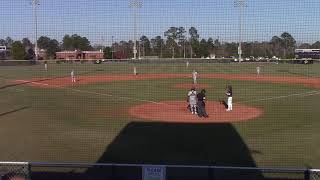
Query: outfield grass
[65, 125]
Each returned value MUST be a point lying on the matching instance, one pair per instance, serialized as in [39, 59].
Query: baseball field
[111, 115]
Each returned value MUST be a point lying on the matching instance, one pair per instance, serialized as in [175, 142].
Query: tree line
[24, 49]
[176, 42]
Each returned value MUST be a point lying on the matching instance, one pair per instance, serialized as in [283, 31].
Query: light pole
[143, 49]
[240, 4]
[111, 47]
[135, 4]
[160, 50]
[139, 51]
[35, 3]
[173, 52]
[184, 48]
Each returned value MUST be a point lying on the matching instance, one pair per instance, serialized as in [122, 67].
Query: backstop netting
[232, 83]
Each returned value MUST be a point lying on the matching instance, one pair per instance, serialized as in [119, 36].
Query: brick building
[68, 55]
[72, 55]
[92, 54]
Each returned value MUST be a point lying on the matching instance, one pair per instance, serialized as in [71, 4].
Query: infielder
[134, 71]
[194, 76]
[258, 70]
[192, 99]
[229, 99]
[73, 78]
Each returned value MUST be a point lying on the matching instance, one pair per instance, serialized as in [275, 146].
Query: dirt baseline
[190, 85]
[66, 81]
[177, 112]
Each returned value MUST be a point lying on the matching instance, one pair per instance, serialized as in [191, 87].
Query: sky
[100, 20]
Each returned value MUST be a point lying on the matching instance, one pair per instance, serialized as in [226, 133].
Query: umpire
[201, 104]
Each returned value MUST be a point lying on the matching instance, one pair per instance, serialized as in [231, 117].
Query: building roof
[63, 52]
[92, 52]
[87, 52]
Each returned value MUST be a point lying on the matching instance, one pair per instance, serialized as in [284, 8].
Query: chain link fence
[315, 174]
[83, 171]
[14, 171]
[135, 172]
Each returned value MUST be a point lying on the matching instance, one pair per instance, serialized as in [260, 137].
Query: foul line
[110, 95]
[92, 92]
[309, 93]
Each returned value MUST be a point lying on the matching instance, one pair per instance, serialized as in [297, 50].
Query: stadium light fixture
[135, 4]
[35, 3]
[240, 4]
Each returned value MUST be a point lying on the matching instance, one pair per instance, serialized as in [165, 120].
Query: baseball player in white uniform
[45, 66]
[194, 76]
[187, 64]
[73, 78]
[134, 71]
[258, 70]
[192, 99]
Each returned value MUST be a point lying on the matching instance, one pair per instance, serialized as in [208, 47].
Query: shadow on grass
[173, 144]
[188, 144]
[180, 144]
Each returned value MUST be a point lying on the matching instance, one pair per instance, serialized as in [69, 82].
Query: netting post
[113, 171]
[29, 171]
[211, 173]
[306, 174]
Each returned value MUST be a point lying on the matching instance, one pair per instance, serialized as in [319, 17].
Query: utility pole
[184, 48]
[161, 51]
[173, 53]
[111, 47]
[143, 50]
[139, 49]
[135, 4]
[240, 4]
[35, 3]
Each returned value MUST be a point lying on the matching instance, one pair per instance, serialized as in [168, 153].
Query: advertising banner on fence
[153, 173]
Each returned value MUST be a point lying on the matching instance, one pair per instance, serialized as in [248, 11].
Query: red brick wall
[93, 55]
[67, 55]
[80, 55]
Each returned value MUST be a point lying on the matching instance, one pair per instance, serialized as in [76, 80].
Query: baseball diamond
[272, 111]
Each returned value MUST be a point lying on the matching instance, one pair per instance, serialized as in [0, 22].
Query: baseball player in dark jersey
[229, 97]
[201, 104]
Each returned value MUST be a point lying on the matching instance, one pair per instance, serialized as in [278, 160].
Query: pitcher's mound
[190, 85]
[177, 112]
